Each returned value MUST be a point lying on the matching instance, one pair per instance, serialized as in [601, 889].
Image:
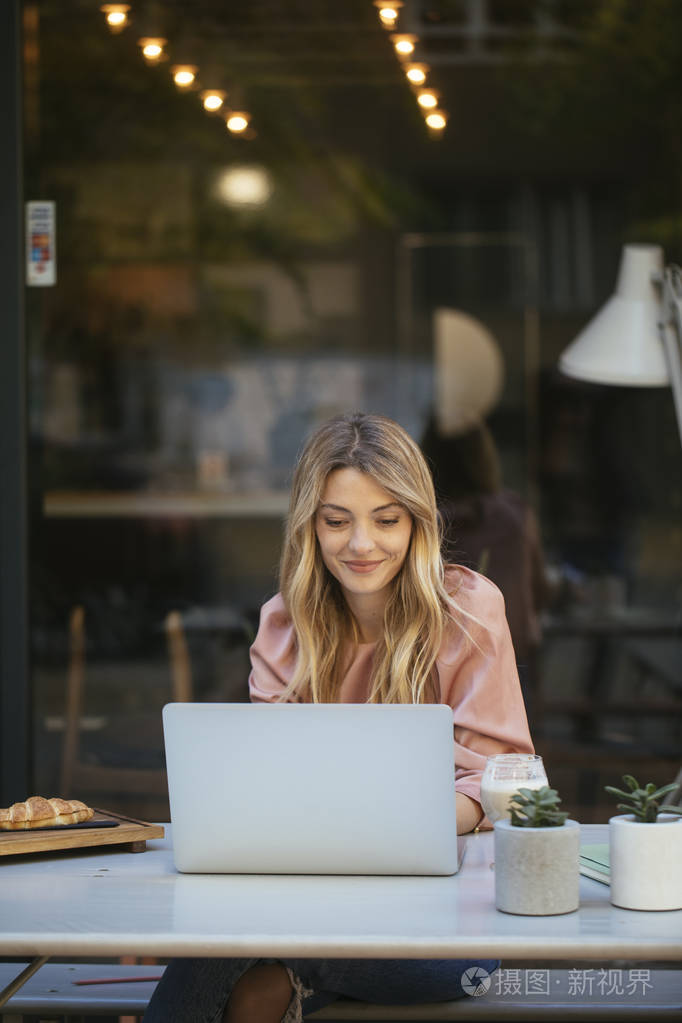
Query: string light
[403, 44]
[212, 99]
[416, 73]
[237, 121]
[388, 11]
[184, 75]
[427, 98]
[437, 120]
[152, 48]
[116, 16]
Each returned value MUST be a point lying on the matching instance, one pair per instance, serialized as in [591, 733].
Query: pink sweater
[480, 683]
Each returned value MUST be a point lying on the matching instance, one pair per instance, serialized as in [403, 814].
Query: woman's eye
[334, 523]
[388, 522]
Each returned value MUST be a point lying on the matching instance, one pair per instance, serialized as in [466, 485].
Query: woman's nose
[360, 540]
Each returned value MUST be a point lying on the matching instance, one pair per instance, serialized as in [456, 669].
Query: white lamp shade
[469, 371]
[621, 344]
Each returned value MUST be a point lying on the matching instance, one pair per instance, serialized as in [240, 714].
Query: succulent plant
[536, 808]
[644, 803]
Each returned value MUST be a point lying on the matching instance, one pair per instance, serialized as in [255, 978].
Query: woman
[491, 528]
[367, 613]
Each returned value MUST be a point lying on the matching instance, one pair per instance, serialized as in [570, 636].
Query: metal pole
[670, 330]
[20, 980]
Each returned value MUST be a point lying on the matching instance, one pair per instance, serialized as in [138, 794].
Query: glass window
[212, 295]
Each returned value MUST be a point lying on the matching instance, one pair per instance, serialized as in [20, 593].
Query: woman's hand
[469, 813]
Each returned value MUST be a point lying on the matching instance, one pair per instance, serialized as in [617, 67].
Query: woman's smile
[362, 566]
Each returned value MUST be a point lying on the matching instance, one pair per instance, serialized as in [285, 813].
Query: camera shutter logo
[475, 981]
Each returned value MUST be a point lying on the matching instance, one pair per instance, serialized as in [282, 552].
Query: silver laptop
[311, 788]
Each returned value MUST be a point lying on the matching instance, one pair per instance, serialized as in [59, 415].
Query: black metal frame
[15, 697]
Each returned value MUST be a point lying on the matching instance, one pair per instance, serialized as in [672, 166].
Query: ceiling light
[237, 121]
[403, 44]
[244, 186]
[388, 11]
[427, 98]
[437, 120]
[184, 75]
[116, 16]
[212, 99]
[416, 73]
[152, 48]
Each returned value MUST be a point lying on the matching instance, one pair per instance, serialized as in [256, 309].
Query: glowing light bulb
[427, 98]
[388, 15]
[152, 48]
[388, 11]
[184, 75]
[416, 73]
[244, 186]
[116, 15]
[437, 120]
[403, 45]
[237, 122]
[212, 99]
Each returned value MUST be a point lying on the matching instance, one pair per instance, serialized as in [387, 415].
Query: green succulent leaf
[643, 803]
[536, 808]
[659, 793]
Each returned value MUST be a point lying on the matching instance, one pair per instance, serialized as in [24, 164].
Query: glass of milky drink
[504, 774]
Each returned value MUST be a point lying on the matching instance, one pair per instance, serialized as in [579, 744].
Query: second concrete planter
[537, 869]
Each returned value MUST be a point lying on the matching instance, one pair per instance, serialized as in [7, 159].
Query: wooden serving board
[128, 832]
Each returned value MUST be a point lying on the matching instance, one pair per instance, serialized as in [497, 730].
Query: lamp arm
[670, 331]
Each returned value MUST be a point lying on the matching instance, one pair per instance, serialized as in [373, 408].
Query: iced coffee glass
[504, 774]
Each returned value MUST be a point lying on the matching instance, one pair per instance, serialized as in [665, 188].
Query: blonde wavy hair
[419, 607]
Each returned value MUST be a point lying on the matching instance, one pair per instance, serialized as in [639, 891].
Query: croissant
[37, 812]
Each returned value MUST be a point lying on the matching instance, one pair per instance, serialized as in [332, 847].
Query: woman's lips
[362, 567]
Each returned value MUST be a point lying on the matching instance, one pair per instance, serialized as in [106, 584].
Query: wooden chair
[181, 669]
[78, 776]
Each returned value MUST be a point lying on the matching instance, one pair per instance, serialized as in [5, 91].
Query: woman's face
[364, 535]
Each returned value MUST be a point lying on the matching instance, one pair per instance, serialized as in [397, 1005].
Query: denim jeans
[197, 990]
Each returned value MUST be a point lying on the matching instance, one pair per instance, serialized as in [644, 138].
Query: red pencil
[118, 980]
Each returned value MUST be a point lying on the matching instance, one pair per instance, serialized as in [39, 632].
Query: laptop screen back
[311, 788]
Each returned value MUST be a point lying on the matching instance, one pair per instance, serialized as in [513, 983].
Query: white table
[109, 903]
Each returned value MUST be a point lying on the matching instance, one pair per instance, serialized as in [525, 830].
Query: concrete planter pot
[537, 869]
[645, 862]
